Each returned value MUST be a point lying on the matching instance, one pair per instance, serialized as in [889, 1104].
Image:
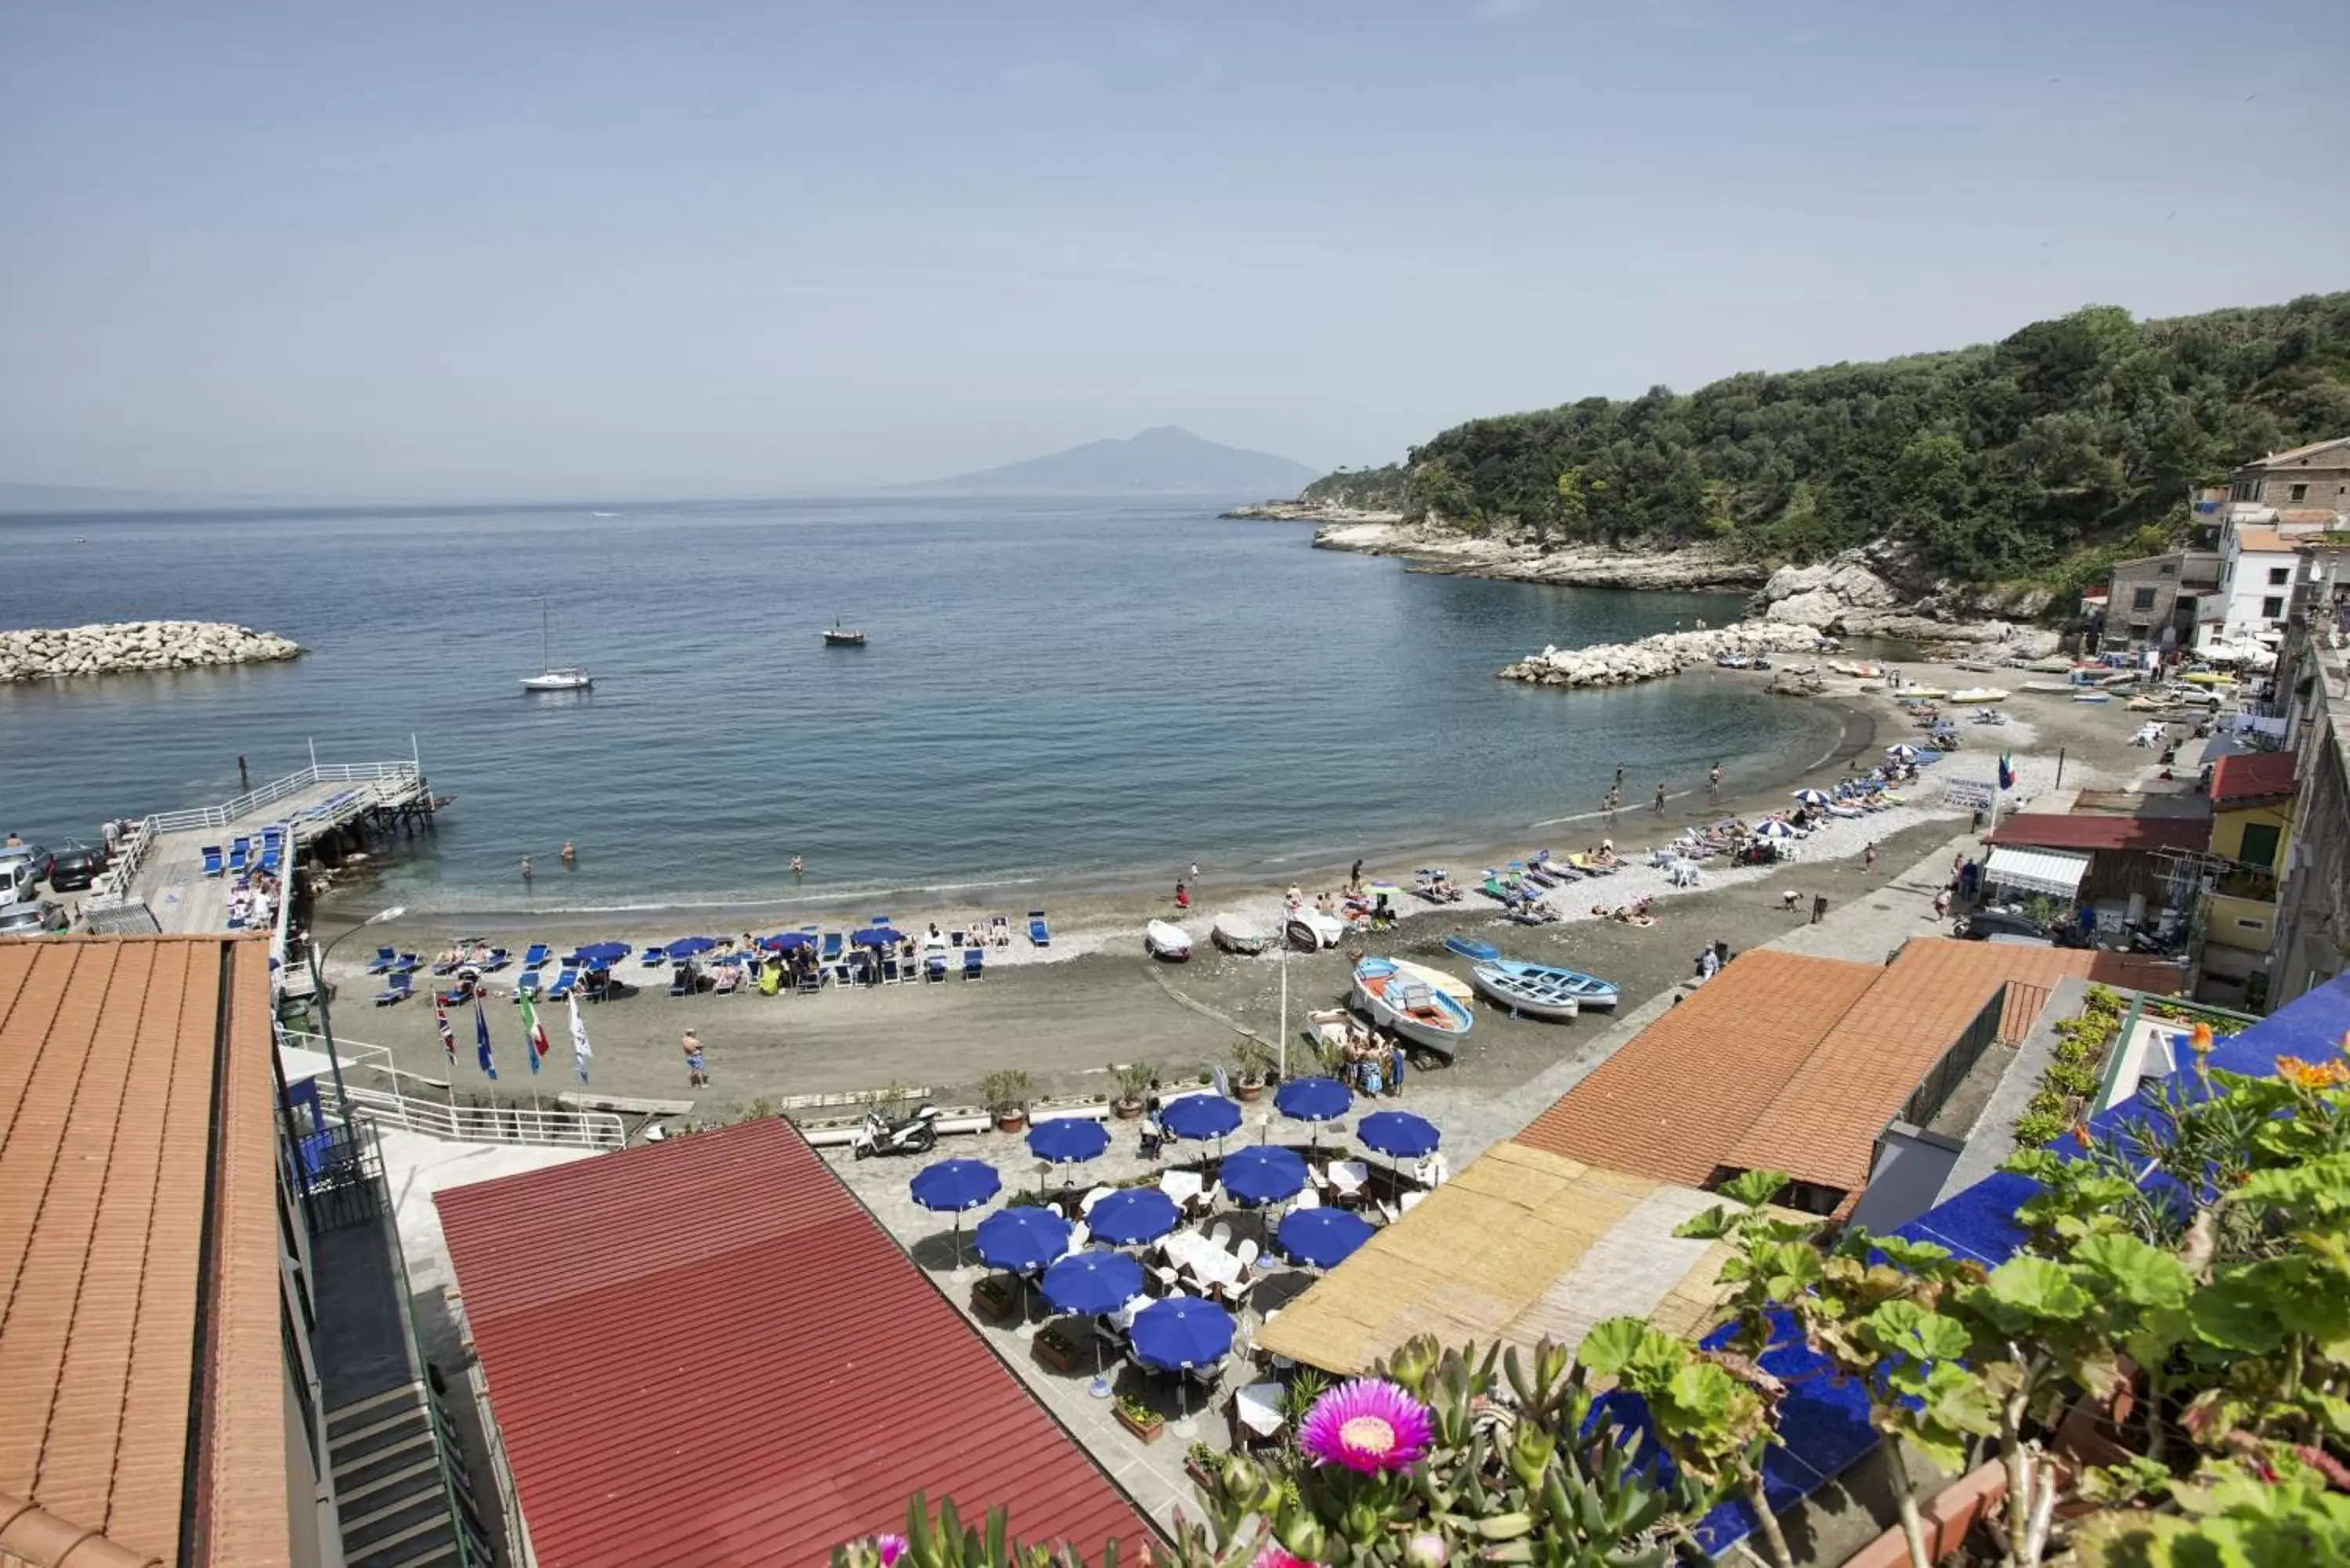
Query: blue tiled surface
[1824, 1420]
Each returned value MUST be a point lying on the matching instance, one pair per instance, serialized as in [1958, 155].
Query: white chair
[1220, 1235]
[1085, 1204]
[1410, 1201]
[1168, 1277]
[1387, 1214]
[1347, 1177]
[1308, 1198]
[1246, 1252]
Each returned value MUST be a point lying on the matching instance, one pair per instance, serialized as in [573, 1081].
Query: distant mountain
[1166, 459]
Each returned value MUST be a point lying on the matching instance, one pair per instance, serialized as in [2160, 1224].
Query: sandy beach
[1063, 1014]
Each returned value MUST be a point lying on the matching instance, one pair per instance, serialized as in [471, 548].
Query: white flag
[580, 1050]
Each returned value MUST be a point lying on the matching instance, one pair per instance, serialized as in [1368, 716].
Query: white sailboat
[549, 678]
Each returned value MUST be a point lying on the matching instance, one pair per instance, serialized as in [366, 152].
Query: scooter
[916, 1133]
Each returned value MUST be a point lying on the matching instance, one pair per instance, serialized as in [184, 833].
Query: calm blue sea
[1055, 690]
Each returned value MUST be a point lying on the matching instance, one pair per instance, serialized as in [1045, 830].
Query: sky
[493, 250]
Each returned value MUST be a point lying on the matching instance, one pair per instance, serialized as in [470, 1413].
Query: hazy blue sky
[500, 250]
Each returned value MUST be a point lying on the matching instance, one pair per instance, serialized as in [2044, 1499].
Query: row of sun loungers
[245, 854]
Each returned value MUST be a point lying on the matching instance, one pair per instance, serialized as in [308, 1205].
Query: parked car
[18, 881]
[31, 855]
[1985, 924]
[75, 865]
[31, 917]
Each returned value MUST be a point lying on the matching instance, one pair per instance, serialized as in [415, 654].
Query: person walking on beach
[696, 1075]
[1619, 778]
[1868, 858]
[1819, 907]
[1354, 877]
[1661, 800]
[1713, 780]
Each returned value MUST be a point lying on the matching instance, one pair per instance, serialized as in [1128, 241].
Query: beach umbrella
[1264, 1174]
[1020, 1240]
[783, 941]
[1812, 797]
[1902, 751]
[1400, 1135]
[1093, 1280]
[689, 947]
[952, 1186]
[876, 937]
[1772, 827]
[1199, 1116]
[597, 955]
[1322, 1238]
[1174, 1332]
[1314, 1099]
[1067, 1141]
[1133, 1215]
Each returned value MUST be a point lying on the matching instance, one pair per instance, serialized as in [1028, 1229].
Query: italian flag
[534, 1031]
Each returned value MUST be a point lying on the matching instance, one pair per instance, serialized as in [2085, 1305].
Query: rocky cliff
[126, 645]
[1879, 591]
[1516, 558]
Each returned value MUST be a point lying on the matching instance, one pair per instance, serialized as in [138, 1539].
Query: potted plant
[1133, 1081]
[1253, 1059]
[1056, 1349]
[1140, 1418]
[1006, 1094]
[1199, 1462]
[994, 1296]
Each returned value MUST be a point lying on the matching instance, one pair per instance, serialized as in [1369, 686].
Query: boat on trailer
[1415, 1010]
[1591, 994]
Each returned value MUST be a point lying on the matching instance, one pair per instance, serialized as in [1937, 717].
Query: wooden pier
[161, 864]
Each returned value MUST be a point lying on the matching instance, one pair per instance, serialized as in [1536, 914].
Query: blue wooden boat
[1525, 987]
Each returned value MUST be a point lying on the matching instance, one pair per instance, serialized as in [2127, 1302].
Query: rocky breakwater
[1667, 653]
[1522, 558]
[124, 646]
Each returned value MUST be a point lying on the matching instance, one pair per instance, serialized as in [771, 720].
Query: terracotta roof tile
[1676, 1099]
[108, 1053]
[2052, 830]
[708, 1352]
[2252, 775]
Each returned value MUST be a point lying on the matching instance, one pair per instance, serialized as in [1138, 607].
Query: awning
[2037, 871]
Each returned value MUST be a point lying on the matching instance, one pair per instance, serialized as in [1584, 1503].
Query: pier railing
[384, 1093]
[276, 790]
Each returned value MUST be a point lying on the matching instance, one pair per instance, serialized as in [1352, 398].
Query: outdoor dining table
[1256, 1409]
[1183, 1186]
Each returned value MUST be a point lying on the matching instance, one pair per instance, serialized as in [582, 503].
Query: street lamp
[326, 1014]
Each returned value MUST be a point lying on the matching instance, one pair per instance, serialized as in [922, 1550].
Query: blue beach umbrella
[1314, 1099]
[1199, 1116]
[952, 1186]
[1174, 1332]
[1400, 1135]
[1772, 828]
[1132, 1216]
[1095, 1279]
[1067, 1141]
[782, 941]
[1020, 1240]
[1812, 797]
[876, 937]
[1265, 1174]
[597, 955]
[688, 947]
[1322, 1238]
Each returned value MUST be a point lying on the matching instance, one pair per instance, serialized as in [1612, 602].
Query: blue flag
[481, 1039]
[2006, 771]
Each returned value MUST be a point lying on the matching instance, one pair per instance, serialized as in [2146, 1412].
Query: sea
[1054, 691]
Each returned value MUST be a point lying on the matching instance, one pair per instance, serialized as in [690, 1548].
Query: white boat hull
[1166, 942]
[1442, 1030]
[1240, 937]
[559, 680]
[1498, 991]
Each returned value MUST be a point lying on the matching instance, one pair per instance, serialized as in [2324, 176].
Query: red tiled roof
[1677, 1097]
[2049, 830]
[707, 1352]
[138, 1201]
[2252, 775]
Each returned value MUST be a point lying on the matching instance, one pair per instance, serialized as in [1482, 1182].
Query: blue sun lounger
[973, 961]
[564, 985]
[409, 964]
[214, 864]
[1038, 931]
[240, 856]
[832, 946]
[934, 967]
[384, 958]
[498, 959]
[397, 989]
[653, 957]
[529, 985]
[537, 956]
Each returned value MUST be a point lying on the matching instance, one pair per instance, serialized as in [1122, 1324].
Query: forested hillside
[1996, 462]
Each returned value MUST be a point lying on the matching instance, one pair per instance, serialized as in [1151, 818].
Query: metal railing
[276, 790]
[390, 1096]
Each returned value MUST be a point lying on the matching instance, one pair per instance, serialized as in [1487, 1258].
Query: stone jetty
[124, 646]
[1667, 653]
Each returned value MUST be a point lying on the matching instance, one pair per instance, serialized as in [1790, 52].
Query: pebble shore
[120, 647]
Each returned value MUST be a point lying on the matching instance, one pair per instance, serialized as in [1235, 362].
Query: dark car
[75, 865]
[1985, 924]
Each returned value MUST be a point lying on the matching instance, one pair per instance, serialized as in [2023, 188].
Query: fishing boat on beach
[549, 678]
[2053, 687]
[1459, 989]
[1523, 997]
[1591, 994]
[1415, 1010]
[1980, 694]
[1239, 934]
[1167, 942]
[1301, 936]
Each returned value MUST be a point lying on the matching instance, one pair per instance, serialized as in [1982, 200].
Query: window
[2260, 845]
[2299, 493]
[2167, 569]
[2280, 575]
[2273, 607]
[2137, 630]
[2142, 600]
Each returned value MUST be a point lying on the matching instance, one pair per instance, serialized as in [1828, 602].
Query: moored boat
[841, 636]
[1167, 941]
[1328, 931]
[1412, 1008]
[2050, 687]
[1591, 994]
[1530, 998]
[1459, 989]
[1239, 934]
[1980, 694]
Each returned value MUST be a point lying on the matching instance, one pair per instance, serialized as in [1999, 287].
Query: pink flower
[890, 1548]
[1272, 1556]
[1368, 1424]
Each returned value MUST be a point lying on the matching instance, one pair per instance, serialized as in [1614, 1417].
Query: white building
[2275, 505]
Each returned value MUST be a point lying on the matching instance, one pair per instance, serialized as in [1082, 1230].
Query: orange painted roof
[127, 1207]
[2252, 775]
[1676, 1098]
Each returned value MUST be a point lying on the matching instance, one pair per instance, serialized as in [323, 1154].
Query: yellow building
[2251, 821]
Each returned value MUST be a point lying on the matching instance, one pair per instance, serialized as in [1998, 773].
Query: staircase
[388, 1455]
